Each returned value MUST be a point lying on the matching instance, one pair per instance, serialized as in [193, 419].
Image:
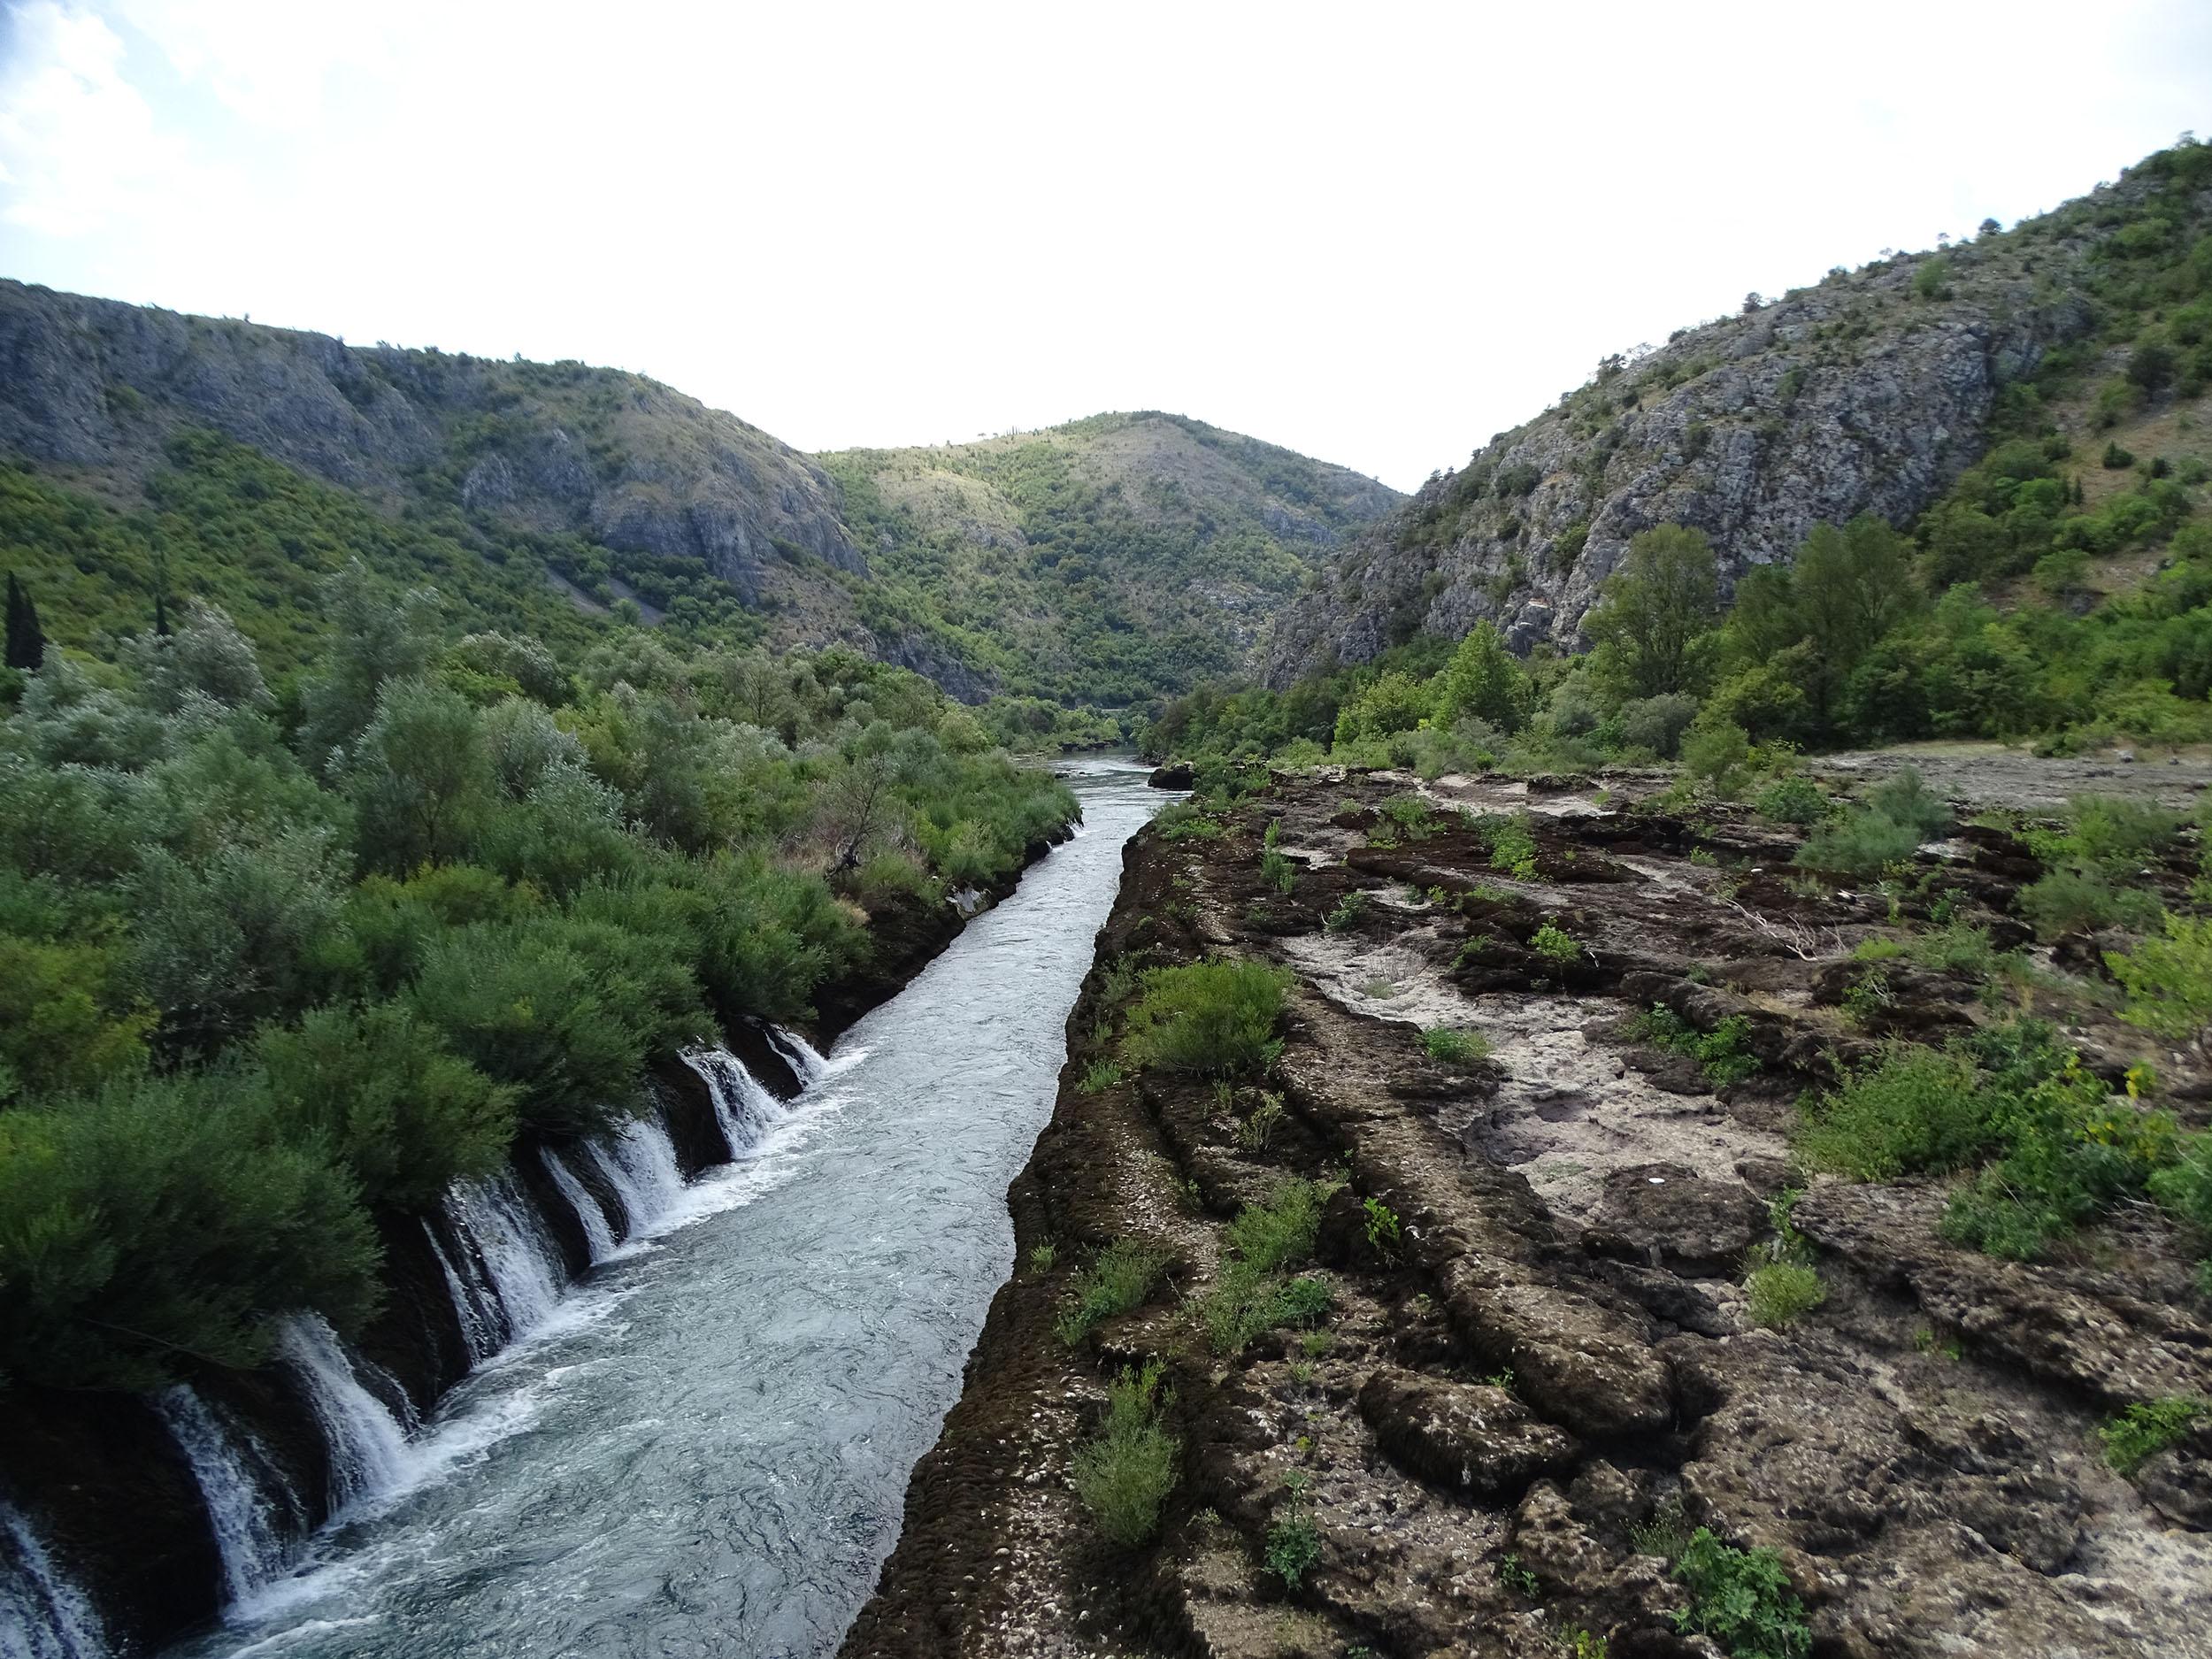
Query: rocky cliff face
[1869, 393]
[98, 387]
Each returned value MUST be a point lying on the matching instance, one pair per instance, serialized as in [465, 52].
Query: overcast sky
[1374, 232]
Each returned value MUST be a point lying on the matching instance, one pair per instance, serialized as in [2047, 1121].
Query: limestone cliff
[1869, 392]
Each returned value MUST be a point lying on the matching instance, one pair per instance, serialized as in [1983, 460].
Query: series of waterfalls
[506, 1276]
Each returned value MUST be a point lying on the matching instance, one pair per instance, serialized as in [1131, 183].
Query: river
[705, 1451]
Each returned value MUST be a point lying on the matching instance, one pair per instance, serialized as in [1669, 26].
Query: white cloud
[1376, 236]
[78, 144]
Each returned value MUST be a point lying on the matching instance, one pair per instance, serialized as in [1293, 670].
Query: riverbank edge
[111, 1495]
[949, 1571]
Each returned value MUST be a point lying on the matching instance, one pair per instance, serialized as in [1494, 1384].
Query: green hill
[146, 454]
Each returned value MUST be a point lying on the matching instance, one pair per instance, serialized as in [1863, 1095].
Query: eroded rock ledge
[1556, 1354]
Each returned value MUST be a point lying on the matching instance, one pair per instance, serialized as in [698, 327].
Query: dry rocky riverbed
[1553, 1366]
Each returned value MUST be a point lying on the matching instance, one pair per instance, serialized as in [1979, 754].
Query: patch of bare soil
[1547, 1361]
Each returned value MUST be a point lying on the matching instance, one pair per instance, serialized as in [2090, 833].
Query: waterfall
[496, 1223]
[594, 1219]
[745, 1109]
[244, 1521]
[483, 1328]
[368, 1450]
[810, 1064]
[43, 1616]
[639, 1161]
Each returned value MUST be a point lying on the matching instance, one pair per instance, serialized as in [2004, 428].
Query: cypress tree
[161, 617]
[26, 644]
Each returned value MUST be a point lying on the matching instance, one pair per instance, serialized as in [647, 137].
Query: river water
[705, 1451]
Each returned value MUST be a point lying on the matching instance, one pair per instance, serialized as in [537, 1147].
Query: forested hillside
[148, 458]
[2082, 333]
[1105, 560]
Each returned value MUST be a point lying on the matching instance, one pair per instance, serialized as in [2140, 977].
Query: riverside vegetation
[280, 957]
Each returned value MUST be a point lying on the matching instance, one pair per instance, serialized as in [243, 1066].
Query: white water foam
[43, 1616]
[742, 1103]
[368, 1449]
[248, 1529]
[598, 1237]
[496, 1225]
[483, 1328]
[639, 1161]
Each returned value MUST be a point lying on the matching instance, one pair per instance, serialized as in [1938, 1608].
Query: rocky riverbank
[1540, 1370]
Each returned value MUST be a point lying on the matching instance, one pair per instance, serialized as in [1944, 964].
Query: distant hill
[1105, 559]
[1872, 391]
[142, 449]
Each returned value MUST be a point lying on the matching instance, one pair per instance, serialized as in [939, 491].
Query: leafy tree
[421, 777]
[382, 1089]
[1483, 680]
[1655, 611]
[376, 639]
[165, 1219]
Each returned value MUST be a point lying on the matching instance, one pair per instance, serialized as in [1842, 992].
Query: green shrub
[1124, 1477]
[1099, 1076]
[1793, 800]
[1118, 1282]
[382, 1090]
[1411, 815]
[1557, 944]
[1279, 1232]
[1714, 752]
[1905, 799]
[1720, 1051]
[2185, 1187]
[2168, 978]
[1780, 1292]
[1185, 820]
[2081, 900]
[1279, 871]
[1294, 1545]
[168, 1218]
[1454, 1046]
[1217, 1019]
[1859, 845]
[1384, 1229]
[1512, 845]
[2142, 1431]
[1346, 914]
[1916, 1111]
[1265, 1241]
[1741, 1598]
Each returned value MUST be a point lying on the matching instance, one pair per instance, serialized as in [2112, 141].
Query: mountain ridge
[1870, 391]
[625, 489]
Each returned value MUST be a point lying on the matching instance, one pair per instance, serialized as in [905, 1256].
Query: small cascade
[368, 1449]
[483, 1327]
[245, 1522]
[810, 1064]
[597, 1234]
[639, 1161]
[43, 1616]
[495, 1224]
[744, 1107]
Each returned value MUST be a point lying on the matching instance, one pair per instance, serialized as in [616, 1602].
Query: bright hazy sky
[1374, 232]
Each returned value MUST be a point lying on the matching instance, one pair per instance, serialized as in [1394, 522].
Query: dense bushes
[267, 962]
[2061, 1149]
[1217, 1019]
[164, 1218]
